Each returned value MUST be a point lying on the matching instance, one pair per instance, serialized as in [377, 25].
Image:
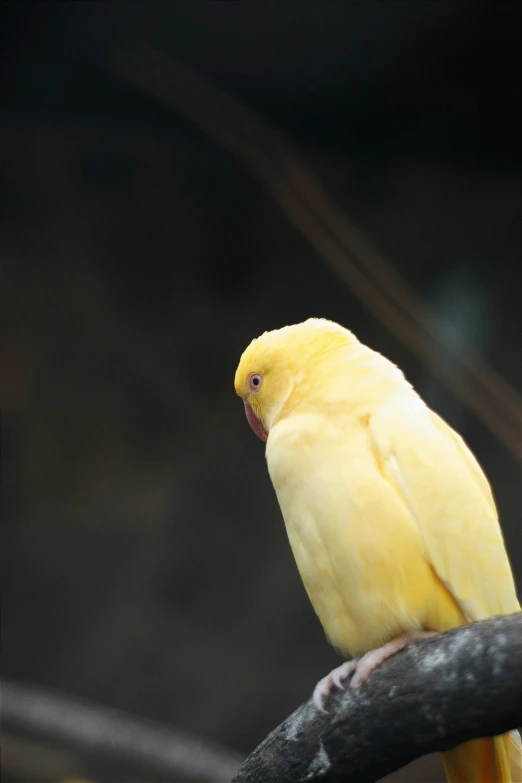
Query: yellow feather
[390, 518]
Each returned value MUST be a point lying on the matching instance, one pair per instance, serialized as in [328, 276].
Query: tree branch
[438, 693]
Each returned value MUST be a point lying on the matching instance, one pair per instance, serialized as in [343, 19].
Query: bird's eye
[255, 381]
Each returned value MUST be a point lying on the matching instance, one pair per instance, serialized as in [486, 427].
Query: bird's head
[283, 368]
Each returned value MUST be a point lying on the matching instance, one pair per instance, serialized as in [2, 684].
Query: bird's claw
[361, 669]
[335, 679]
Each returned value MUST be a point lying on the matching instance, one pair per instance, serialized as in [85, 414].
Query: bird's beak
[255, 423]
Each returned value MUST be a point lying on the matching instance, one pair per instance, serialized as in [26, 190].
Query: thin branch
[436, 694]
[276, 163]
[110, 732]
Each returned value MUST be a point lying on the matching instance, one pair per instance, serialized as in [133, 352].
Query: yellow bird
[390, 518]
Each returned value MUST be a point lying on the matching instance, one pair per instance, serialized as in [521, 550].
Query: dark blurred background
[145, 561]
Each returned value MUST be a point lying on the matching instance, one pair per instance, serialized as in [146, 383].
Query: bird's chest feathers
[337, 526]
[314, 472]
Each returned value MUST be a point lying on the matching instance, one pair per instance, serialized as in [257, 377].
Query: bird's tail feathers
[487, 760]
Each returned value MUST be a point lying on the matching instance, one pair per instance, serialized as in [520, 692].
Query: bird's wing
[450, 499]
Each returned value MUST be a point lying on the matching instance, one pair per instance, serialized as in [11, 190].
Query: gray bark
[436, 694]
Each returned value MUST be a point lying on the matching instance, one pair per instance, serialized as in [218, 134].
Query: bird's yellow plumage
[390, 518]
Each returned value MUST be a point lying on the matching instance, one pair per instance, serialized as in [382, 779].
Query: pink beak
[255, 423]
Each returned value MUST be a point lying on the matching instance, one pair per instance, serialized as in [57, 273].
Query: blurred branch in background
[106, 732]
[342, 246]
[435, 695]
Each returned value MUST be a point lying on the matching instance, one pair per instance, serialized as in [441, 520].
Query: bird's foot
[361, 668]
[369, 662]
[335, 679]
